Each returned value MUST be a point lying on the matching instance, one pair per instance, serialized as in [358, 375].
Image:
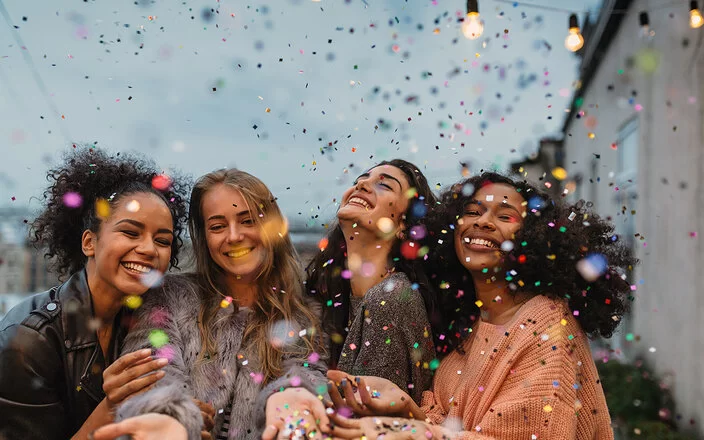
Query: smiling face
[132, 248]
[233, 235]
[376, 194]
[492, 216]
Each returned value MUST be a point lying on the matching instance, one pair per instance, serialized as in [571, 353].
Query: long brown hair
[279, 282]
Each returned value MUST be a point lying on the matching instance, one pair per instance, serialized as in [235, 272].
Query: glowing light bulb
[574, 40]
[695, 19]
[472, 26]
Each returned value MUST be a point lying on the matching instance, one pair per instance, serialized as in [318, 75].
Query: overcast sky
[304, 95]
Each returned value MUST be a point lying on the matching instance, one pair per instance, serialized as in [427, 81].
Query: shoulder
[177, 291]
[396, 295]
[34, 312]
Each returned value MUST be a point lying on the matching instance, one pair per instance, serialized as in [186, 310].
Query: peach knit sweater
[531, 378]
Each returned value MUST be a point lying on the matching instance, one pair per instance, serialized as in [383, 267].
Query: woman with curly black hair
[113, 225]
[543, 278]
[376, 298]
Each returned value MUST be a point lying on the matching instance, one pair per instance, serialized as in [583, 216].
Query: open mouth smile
[239, 253]
[136, 268]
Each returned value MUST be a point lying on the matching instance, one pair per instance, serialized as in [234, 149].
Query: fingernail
[330, 385]
[162, 361]
[343, 382]
[357, 379]
[160, 374]
[145, 351]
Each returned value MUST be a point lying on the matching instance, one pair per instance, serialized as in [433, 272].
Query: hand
[208, 413]
[126, 376]
[295, 413]
[149, 426]
[369, 396]
[386, 428]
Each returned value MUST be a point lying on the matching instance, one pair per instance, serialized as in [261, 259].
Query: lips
[137, 268]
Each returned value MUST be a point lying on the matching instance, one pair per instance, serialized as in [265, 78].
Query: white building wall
[668, 313]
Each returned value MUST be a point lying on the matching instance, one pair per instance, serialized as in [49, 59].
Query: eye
[505, 217]
[164, 242]
[215, 228]
[385, 185]
[471, 212]
[248, 221]
[130, 233]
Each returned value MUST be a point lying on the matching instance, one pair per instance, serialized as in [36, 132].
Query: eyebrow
[384, 176]
[140, 225]
[503, 204]
[222, 217]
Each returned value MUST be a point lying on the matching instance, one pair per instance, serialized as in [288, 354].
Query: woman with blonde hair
[237, 330]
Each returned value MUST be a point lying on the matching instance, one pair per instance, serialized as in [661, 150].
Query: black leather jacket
[51, 363]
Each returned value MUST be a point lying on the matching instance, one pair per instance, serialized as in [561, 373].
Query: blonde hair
[279, 283]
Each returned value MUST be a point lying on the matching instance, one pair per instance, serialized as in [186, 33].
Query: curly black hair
[545, 259]
[325, 284]
[94, 175]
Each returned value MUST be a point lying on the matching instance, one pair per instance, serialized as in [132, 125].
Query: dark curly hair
[553, 238]
[94, 175]
[325, 284]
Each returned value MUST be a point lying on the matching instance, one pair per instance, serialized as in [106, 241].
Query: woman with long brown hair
[237, 330]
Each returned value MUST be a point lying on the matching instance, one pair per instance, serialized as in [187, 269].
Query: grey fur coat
[232, 376]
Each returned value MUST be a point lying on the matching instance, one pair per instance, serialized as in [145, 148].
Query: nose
[362, 185]
[234, 234]
[485, 221]
[147, 247]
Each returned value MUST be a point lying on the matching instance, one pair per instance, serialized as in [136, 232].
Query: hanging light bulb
[472, 26]
[645, 31]
[574, 40]
[695, 17]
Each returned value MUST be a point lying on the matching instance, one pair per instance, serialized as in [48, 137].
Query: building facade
[634, 146]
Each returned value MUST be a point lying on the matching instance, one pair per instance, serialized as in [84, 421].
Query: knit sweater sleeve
[157, 327]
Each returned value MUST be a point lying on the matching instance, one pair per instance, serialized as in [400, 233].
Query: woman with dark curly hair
[544, 277]
[376, 297]
[113, 225]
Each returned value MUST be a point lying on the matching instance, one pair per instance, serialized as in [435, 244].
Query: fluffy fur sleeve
[159, 324]
[302, 369]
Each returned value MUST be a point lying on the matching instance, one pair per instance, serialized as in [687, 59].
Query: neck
[107, 300]
[244, 292]
[369, 252]
[498, 304]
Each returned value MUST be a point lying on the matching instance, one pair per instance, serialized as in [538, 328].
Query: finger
[337, 376]
[351, 399]
[364, 394]
[208, 421]
[270, 432]
[134, 372]
[321, 416]
[113, 430]
[346, 433]
[340, 420]
[128, 359]
[337, 399]
[117, 379]
[119, 394]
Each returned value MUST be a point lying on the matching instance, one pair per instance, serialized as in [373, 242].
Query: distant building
[634, 146]
[23, 268]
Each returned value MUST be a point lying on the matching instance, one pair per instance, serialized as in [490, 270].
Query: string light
[574, 40]
[695, 17]
[472, 26]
